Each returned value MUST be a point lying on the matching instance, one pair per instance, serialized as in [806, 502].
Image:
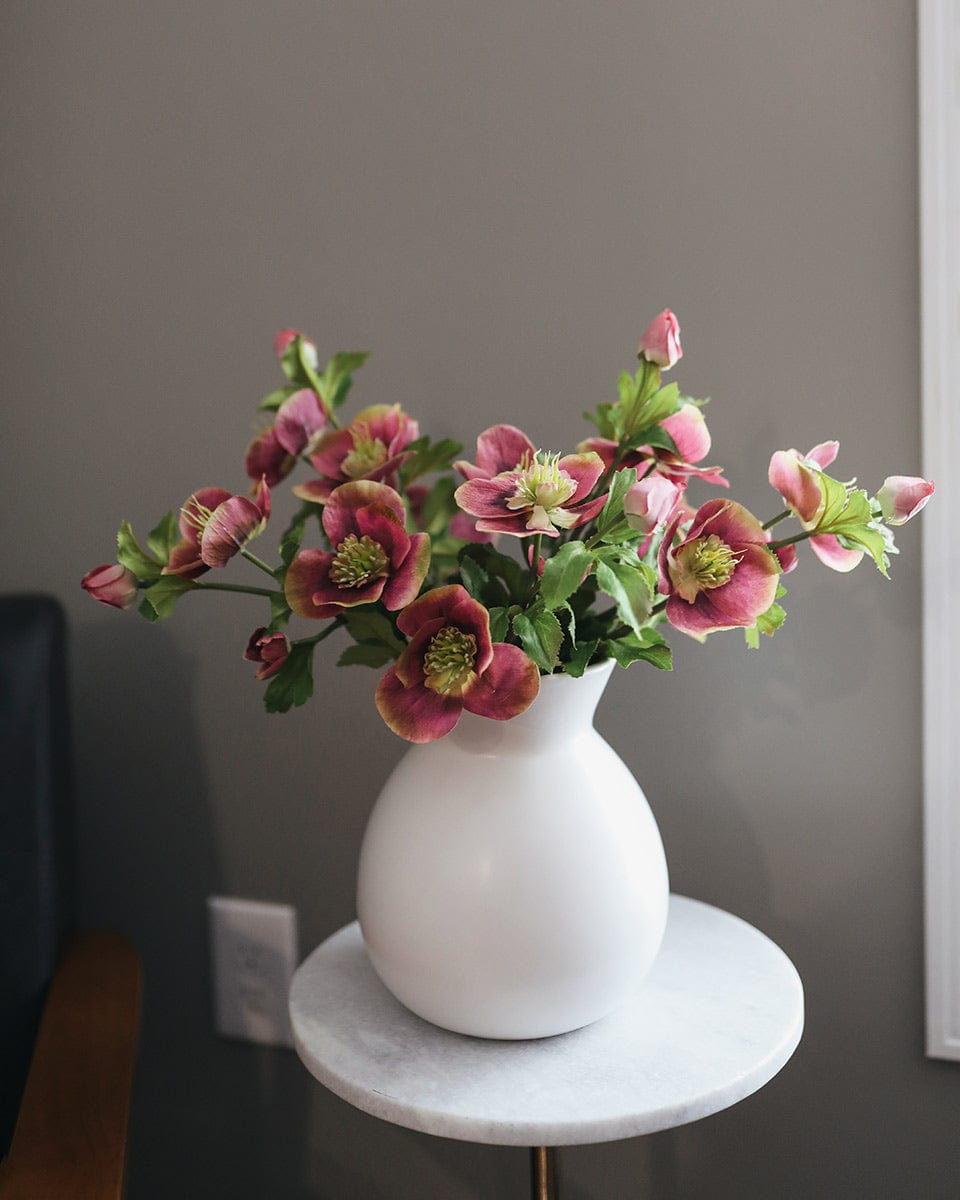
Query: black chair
[69, 1003]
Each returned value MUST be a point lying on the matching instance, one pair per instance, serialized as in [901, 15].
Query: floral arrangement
[470, 580]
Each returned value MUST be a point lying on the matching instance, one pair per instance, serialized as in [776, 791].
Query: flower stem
[257, 562]
[778, 518]
[337, 623]
[790, 541]
[236, 587]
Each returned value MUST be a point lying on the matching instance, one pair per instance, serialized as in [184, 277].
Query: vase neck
[563, 710]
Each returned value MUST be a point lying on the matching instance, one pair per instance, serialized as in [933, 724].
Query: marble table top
[718, 1016]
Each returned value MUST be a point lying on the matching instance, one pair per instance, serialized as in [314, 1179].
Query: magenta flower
[902, 497]
[660, 343]
[690, 435]
[499, 448]
[266, 459]
[371, 447]
[796, 477]
[543, 494]
[721, 576]
[111, 584]
[450, 665]
[271, 650]
[373, 557]
[651, 502]
[214, 526]
[299, 420]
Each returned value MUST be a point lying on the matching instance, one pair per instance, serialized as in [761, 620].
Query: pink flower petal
[507, 687]
[823, 454]
[838, 558]
[232, 524]
[902, 497]
[402, 588]
[660, 343]
[345, 501]
[267, 459]
[299, 419]
[500, 448]
[689, 431]
[486, 497]
[798, 484]
[416, 713]
[584, 470]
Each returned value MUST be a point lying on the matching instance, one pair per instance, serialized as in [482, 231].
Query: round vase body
[512, 880]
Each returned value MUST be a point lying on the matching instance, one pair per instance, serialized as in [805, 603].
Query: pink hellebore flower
[266, 459]
[651, 502]
[543, 494]
[269, 649]
[282, 340]
[721, 576]
[690, 435]
[299, 420]
[902, 497]
[499, 448]
[450, 665]
[660, 343]
[214, 526]
[111, 584]
[796, 477]
[371, 447]
[373, 557]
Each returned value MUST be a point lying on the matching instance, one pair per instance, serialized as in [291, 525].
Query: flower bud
[283, 339]
[271, 650]
[650, 502]
[111, 584]
[660, 343]
[902, 497]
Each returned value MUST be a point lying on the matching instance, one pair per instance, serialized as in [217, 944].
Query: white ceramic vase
[512, 880]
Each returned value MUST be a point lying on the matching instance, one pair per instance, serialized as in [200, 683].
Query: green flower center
[367, 454]
[357, 561]
[705, 563]
[541, 484]
[448, 662]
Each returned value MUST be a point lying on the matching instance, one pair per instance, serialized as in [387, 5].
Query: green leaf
[279, 612]
[656, 407]
[629, 586]
[272, 401]
[475, 578]
[164, 537]
[439, 506]
[365, 656]
[649, 647]
[373, 628]
[848, 514]
[293, 683]
[499, 624]
[540, 635]
[612, 512]
[292, 537]
[563, 574]
[160, 597]
[132, 555]
[428, 456]
[580, 657]
[335, 382]
[515, 580]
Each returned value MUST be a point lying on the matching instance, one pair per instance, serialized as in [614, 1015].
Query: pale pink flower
[902, 497]
[111, 584]
[660, 343]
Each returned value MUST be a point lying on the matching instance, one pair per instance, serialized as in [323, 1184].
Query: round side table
[718, 1016]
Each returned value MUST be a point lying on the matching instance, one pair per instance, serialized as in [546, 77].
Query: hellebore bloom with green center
[371, 447]
[373, 557]
[721, 576]
[214, 526]
[450, 664]
[544, 493]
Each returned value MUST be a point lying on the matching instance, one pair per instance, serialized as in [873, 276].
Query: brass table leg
[543, 1173]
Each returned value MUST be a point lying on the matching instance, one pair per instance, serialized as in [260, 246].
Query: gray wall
[494, 199]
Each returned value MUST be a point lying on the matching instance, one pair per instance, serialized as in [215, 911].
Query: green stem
[324, 633]
[258, 562]
[778, 518]
[237, 587]
[535, 566]
[790, 541]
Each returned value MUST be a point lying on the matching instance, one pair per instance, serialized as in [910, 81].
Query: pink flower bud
[282, 340]
[111, 584]
[271, 650]
[650, 502]
[661, 342]
[902, 497]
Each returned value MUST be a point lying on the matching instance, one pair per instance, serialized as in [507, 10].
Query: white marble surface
[718, 1016]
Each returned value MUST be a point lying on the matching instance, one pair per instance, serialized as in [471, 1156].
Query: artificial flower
[214, 526]
[299, 420]
[111, 584]
[373, 557]
[721, 575]
[543, 494]
[651, 502]
[283, 340]
[271, 650]
[266, 459]
[660, 343]
[371, 447]
[902, 497]
[499, 448]
[450, 664]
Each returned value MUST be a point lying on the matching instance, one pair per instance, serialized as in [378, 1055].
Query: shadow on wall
[231, 1113]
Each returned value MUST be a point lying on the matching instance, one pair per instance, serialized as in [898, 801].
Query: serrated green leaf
[364, 655]
[428, 456]
[132, 555]
[540, 635]
[475, 578]
[612, 512]
[628, 585]
[161, 596]
[439, 506]
[848, 514]
[580, 657]
[293, 683]
[563, 574]
[164, 537]
[373, 628]
[648, 647]
[515, 580]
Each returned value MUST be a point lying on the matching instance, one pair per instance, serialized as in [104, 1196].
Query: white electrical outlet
[254, 950]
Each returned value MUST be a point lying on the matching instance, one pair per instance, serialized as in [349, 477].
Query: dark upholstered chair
[69, 1003]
